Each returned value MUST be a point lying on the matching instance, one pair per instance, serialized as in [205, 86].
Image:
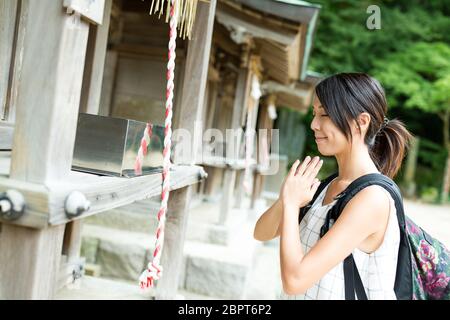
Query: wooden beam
[45, 204]
[106, 193]
[95, 63]
[257, 29]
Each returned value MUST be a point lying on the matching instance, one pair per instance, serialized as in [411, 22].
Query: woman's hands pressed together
[300, 184]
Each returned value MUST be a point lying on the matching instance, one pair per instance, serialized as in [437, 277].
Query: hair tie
[384, 124]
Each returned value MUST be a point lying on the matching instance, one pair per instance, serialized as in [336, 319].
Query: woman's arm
[268, 225]
[363, 216]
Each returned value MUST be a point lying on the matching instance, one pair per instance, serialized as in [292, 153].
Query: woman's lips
[320, 139]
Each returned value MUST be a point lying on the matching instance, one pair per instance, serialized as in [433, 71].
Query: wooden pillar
[47, 111]
[237, 121]
[193, 93]
[108, 84]
[95, 63]
[111, 59]
[227, 201]
[264, 123]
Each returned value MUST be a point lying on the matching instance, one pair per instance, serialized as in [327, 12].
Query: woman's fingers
[314, 169]
[303, 166]
[294, 167]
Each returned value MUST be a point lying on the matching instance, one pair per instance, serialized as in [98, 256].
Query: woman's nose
[314, 124]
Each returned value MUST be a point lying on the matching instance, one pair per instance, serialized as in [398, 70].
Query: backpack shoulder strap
[365, 181]
[403, 281]
[323, 184]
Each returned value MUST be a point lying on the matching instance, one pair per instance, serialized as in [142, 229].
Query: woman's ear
[363, 121]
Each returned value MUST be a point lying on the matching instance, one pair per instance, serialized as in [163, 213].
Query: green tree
[419, 77]
[343, 43]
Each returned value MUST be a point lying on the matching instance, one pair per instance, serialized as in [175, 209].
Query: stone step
[208, 269]
[202, 223]
[93, 288]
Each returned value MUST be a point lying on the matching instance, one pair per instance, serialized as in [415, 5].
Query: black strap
[352, 278]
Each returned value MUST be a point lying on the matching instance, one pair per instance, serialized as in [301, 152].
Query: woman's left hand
[301, 183]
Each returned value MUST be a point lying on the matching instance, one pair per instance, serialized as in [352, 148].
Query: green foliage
[418, 77]
[410, 55]
[343, 42]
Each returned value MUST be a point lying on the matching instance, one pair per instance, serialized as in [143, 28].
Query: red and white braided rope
[154, 270]
[143, 149]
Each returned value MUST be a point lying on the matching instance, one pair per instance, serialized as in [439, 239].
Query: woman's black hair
[345, 96]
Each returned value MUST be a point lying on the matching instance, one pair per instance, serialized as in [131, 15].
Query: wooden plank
[220, 162]
[44, 138]
[95, 64]
[8, 12]
[106, 193]
[45, 205]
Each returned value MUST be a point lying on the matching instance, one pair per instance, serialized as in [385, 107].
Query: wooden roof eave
[297, 96]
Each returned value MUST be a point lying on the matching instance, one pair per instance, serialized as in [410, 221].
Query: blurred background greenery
[410, 55]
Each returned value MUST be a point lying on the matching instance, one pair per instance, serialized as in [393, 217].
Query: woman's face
[329, 139]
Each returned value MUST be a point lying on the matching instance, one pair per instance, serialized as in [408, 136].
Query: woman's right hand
[301, 183]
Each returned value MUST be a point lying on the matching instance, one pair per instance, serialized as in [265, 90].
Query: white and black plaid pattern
[377, 270]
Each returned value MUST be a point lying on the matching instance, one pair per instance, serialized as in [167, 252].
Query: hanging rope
[143, 149]
[154, 269]
[187, 10]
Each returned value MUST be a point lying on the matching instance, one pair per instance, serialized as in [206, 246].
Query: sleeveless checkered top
[377, 270]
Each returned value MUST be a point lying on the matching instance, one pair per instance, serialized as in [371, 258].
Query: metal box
[109, 146]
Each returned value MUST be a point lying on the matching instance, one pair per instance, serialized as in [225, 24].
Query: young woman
[350, 124]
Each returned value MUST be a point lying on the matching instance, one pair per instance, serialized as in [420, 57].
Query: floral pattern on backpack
[430, 265]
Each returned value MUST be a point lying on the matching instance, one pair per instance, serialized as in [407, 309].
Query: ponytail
[389, 146]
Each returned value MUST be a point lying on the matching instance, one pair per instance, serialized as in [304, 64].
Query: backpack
[423, 265]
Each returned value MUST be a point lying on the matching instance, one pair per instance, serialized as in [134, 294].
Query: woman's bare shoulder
[374, 200]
